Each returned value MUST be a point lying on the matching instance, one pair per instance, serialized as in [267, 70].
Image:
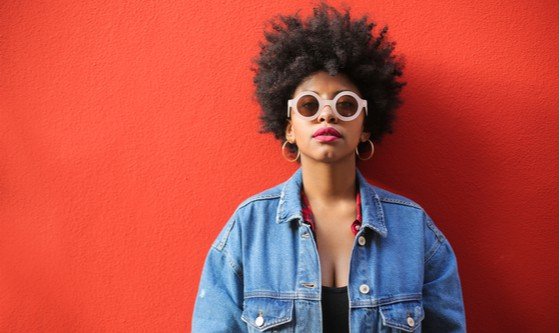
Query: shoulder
[267, 196]
[262, 204]
[392, 198]
[394, 202]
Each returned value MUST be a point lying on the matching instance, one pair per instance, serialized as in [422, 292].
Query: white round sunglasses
[347, 105]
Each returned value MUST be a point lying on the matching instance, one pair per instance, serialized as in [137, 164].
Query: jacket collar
[289, 207]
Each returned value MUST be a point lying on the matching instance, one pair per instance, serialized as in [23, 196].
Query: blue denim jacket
[262, 273]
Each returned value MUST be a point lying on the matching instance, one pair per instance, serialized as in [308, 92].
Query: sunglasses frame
[362, 104]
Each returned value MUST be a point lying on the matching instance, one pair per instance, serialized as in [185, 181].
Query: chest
[335, 241]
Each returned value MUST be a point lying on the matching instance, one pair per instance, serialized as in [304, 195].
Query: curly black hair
[331, 41]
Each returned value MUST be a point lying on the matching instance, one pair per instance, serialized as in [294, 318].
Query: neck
[329, 182]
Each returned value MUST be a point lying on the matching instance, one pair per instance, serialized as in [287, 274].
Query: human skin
[328, 169]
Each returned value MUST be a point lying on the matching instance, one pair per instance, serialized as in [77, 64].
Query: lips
[327, 131]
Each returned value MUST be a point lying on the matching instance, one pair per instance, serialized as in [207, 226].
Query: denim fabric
[262, 272]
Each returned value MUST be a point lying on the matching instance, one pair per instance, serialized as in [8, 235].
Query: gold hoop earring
[372, 150]
[284, 145]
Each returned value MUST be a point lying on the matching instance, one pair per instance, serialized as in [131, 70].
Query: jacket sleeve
[442, 294]
[219, 300]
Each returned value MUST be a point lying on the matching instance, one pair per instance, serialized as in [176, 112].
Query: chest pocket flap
[405, 315]
[266, 312]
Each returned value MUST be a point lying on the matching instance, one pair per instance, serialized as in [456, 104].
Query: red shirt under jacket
[308, 214]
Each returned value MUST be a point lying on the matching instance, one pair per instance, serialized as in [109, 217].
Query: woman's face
[300, 131]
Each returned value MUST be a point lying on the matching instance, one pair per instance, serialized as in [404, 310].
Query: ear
[364, 136]
[290, 135]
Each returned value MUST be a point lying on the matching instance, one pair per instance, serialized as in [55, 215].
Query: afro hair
[327, 41]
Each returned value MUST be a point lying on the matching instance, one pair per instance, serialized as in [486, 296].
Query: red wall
[128, 135]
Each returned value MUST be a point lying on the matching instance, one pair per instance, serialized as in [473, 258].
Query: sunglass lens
[308, 105]
[347, 106]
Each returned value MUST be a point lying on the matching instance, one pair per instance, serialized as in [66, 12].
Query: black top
[334, 303]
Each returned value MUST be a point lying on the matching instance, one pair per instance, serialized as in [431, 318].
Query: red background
[128, 136]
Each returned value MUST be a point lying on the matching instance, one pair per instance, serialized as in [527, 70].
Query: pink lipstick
[326, 138]
[326, 134]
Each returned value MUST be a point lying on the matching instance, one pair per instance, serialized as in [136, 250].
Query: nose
[327, 114]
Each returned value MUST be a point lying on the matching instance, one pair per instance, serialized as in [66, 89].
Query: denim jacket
[262, 272]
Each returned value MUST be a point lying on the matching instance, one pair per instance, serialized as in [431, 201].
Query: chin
[332, 157]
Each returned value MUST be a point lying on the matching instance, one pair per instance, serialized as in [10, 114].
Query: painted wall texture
[128, 136]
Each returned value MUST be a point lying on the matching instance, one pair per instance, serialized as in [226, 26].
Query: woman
[326, 251]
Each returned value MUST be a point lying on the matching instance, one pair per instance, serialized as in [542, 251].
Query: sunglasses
[347, 105]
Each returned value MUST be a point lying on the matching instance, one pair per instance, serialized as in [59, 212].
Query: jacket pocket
[405, 316]
[266, 314]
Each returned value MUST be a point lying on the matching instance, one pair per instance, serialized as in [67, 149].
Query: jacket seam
[258, 198]
[434, 228]
[282, 296]
[231, 263]
[220, 248]
[223, 240]
[432, 251]
[440, 239]
[401, 202]
[354, 304]
[386, 301]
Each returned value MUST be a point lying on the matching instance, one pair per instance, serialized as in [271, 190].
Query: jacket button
[364, 289]
[362, 240]
[410, 321]
[259, 321]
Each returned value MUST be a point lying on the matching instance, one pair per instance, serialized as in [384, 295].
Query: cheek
[299, 129]
[355, 136]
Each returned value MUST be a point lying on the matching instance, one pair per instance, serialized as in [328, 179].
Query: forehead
[325, 84]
